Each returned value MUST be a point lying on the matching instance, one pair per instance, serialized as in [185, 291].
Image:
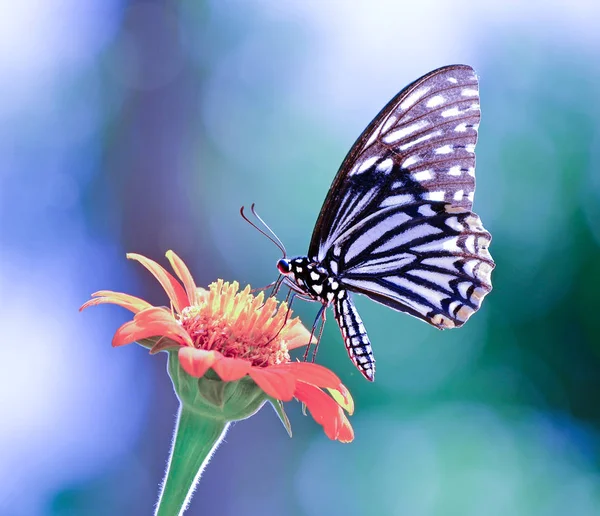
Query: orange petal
[309, 372]
[161, 318]
[159, 344]
[132, 303]
[172, 287]
[184, 275]
[132, 331]
[320, 376]
[196, 362]
[343, 398]
[277, 384]
[231, 369]
[325, 411]
[346, 434]
[151, 322]
[299, 336]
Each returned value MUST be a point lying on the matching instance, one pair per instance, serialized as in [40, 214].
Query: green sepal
[278, 407]
[213, 391]
[214, 398]
[157, 344]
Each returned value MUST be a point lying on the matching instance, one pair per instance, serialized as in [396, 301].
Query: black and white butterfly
[397, 224]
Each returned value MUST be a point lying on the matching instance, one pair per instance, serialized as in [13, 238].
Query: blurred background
[143, 126]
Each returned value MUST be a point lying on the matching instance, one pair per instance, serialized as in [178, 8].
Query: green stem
[195, 439]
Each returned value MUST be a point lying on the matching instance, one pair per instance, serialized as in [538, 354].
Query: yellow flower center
[240, 325]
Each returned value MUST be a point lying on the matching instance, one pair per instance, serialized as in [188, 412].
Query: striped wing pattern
[428, 260]
[397, 224]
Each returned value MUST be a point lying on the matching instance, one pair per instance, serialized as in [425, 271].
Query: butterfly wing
[397, 224]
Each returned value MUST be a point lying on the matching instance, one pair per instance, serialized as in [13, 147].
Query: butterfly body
[318, 282]
[396, 225]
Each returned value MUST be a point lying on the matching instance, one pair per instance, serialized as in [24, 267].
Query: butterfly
[396, 225]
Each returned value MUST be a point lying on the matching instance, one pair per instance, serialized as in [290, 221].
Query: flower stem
[195, 439]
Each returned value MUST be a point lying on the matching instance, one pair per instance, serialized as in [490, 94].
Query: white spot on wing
[469, 266]
[389, 123]
[446, 149]
[463, 288]
[423, 175]
[461, 128]
[453, 223]
[452, 80]
[435, 196]
[470, 147]
[364, 166]
[411, 160]
[471, 171]
[396, 200]
[438, 100]
[469, 92]
[372, 139]
[385, 166]
[453, 111]
[317, 288]
[453, 306]
[455, 170]
[421, 139]
[414, 97]
[426, 210]
[470, 243]
[458, 195]
[470, 196]
[398, 134]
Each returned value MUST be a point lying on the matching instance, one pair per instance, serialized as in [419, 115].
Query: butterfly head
[295, 268]
[284, 266]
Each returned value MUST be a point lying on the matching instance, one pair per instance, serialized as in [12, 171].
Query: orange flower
[237, 335]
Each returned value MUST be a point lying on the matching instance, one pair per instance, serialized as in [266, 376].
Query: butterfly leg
[273, 284]
[355, 336]
[289, 300]
[319, 318]
[323, 318]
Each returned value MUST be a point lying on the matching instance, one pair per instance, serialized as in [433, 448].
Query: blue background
[144, 126]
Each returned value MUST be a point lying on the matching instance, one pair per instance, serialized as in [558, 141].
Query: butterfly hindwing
[431, 262]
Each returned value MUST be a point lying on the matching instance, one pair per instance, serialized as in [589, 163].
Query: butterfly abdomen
[354, 334]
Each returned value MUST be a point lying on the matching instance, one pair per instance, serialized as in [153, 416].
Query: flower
[242, 338]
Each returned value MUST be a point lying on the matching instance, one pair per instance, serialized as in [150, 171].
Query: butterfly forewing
[396, 224]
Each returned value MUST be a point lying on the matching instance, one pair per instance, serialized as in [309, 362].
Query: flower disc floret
[240, 325]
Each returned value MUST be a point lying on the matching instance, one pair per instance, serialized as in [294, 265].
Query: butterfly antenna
[281, 246]
[271, 235]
